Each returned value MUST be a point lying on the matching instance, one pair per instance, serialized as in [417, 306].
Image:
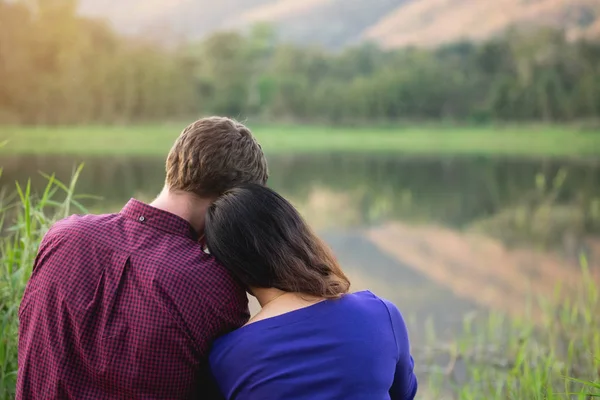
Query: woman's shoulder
[367, 300]
[370, 299]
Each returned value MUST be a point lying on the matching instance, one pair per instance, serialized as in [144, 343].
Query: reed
[24, 219]
[552, 352]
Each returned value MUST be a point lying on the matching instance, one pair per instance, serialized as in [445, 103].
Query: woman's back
[351, 348]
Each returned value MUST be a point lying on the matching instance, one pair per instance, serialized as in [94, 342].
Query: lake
[439, 236]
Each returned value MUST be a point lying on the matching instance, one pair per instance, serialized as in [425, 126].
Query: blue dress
[353, 348]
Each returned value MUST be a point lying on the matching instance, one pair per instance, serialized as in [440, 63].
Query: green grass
[556, 357]
[425, 139]
[24, 219]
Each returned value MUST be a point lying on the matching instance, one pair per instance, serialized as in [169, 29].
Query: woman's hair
[265, 243]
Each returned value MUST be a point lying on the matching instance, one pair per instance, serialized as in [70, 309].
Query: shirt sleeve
[32, 283]
[405, 381]
[225, 309]
[48, 246]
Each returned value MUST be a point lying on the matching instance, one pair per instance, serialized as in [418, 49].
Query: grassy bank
[156, 139]
[553, 352]
[498, 359]
[24, 219]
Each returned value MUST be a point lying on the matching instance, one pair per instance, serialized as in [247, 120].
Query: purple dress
[353, 348]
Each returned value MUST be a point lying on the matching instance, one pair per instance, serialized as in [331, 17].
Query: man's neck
[185, 205]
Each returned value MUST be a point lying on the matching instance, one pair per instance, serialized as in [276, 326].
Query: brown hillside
[278, 10]
[432, 22]
[335, 23]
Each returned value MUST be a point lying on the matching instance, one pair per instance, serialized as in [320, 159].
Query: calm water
[367, 208]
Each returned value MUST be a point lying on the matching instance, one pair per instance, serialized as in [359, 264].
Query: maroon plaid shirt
[123, 306]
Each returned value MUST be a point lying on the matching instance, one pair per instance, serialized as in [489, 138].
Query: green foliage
[57, 67]
[553, 352]
[60, 68]
[24, 219]
[542, 217]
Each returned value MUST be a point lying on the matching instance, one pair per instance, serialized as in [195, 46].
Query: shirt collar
[159, 219]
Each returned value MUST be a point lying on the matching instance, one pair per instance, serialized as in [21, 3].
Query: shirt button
[142, 219]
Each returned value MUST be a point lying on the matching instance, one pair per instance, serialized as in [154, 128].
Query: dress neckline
[293, 316]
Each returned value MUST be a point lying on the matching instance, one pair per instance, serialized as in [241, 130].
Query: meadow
[534, 140]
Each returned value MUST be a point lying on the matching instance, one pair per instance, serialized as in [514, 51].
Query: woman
[311, 340]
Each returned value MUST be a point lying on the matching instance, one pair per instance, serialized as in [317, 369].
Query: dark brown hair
[215, 154]
[264, 242]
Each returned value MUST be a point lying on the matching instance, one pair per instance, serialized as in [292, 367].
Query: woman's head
[264, 242]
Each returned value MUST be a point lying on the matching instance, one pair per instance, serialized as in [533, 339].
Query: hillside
[431, 22]
[335, 23]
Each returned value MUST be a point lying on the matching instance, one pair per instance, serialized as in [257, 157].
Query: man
[125, 306]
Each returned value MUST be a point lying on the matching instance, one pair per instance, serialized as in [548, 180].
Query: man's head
[213, 155]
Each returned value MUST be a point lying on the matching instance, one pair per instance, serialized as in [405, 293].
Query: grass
[24, 219]
[425, 139]
[557, 358]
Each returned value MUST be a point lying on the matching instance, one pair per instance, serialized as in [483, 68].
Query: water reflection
[451, 191]
[366, 206]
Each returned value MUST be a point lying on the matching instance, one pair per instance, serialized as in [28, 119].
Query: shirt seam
[395, 340]
[392, 325]
[182, 325]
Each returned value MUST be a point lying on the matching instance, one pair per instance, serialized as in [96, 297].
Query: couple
[150, 303]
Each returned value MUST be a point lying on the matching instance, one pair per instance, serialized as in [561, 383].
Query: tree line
[57, 67]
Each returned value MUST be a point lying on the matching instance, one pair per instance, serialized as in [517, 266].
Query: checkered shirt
[124, 306]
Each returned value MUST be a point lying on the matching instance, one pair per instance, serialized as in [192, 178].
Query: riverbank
[152, 140]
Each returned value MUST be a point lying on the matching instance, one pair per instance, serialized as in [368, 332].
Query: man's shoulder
[203, 295]
[195, 271]
[79, 223]
[77, 228]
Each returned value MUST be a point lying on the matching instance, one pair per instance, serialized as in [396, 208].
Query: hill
[335, 23]
[432, 22]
